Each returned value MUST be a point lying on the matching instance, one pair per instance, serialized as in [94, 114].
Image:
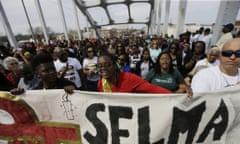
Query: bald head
[212, 55]
[230, 57]
[213, 50]
[233, 44]
[58, 51]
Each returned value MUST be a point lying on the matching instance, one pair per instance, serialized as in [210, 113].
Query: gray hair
[7, 60]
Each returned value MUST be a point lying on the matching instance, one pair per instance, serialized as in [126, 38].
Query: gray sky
[198, 11]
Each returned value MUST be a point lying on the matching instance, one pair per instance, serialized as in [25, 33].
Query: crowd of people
[134, 64]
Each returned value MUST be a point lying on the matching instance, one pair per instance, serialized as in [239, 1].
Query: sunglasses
[229, 53]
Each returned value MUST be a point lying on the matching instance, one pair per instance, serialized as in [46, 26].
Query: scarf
[106, 85]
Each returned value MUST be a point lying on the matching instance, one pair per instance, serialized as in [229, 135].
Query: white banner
[121, 118]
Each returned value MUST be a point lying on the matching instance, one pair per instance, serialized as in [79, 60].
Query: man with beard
[69, 68]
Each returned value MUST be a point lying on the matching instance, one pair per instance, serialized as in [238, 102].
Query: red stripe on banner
[28, 128]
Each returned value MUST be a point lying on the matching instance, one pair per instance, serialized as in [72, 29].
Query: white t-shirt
[89, 63]
[223, 39]
[72, 72]
[207, 40]
[211, 79]
[204, 62]
[195, 38]
[144, 69]
[201, 64]
[134, 60]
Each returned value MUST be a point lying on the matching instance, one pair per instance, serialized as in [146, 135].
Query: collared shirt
[223, 39]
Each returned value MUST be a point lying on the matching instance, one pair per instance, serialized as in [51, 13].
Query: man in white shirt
[206, 38]
[69, 68]
[224, 75]
[227, 35]
[210, 61]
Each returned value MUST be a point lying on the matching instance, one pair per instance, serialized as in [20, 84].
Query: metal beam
[42, 20]
[7, 27]
[77, 21]
[28, 20]
[81, 5]
[63, 20]
[181, 17]
[159, 17]
[153, 22]
[167, 11]
[227, 13]
[103, 4]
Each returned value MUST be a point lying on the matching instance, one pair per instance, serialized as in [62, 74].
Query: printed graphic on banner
[19, 124]
[116, 123]
[68, 107]
[51, 116]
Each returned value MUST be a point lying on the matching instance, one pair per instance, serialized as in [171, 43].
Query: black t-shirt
[5, 85]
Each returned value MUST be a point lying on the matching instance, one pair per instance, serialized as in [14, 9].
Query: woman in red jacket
[113, 80]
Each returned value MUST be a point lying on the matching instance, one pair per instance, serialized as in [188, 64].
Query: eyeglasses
[229, 53]
[104, 65]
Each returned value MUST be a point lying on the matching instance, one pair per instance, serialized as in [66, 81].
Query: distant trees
[38, 30]
[22, 37]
